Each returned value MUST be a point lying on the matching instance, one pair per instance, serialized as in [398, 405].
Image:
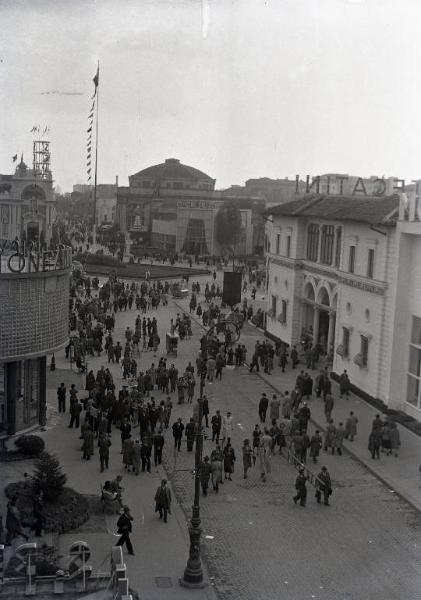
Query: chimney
[116, 180]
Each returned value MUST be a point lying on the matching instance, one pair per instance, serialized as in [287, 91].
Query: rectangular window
[326, 244]
[313, 242]
[364, 351]
[345, 341]
[274, 303]
[416, 331]
[278, 243]
[288, 253]
[338, 247]
[284, 312]
[351, 261]
[370, 263]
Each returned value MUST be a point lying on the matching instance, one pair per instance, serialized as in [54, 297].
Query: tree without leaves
[228, 226]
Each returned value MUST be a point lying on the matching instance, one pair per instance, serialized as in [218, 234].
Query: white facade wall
[365, 305]
[408, 305]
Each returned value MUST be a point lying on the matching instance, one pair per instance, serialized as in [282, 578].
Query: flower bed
[69, 511]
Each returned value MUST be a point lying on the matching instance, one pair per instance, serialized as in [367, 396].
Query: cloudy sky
[236, 88]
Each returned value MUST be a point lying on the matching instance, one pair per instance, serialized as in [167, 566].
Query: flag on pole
[15, 157]
[96, 78]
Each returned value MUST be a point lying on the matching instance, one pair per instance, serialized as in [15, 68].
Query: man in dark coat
[124, 528]
[177, 431]
[300, 486]
[324, 486]
[163, 500]
[190, 434]
[263, 406]
[216, 423]
[205, 473]
[158, 444]
[61, 397]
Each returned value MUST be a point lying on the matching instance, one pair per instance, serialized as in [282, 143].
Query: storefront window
[2, 398]
[414, 367]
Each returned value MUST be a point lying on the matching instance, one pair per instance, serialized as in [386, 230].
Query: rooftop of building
[172, 168]
[374, 210]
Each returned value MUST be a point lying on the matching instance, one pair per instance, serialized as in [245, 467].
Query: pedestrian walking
[104, 452]
[124, 528]
[75, 410]
[205, 473]
[177, 431]
[263, 406]
[88, 442]
[136, 457]
[323, 486]
[395, 441]
[264, 454]
[315, 445]
[128, 446]
[274, 408]
[374, 443]
[216, 423]
[190, 434]
[61, 397]
[158, 444]
[227, 428]
[339, 438]
[344, 384]
[229, 460]
[351, 427]
[329, 403]
[300, 486]
[216, 468]
[163, 500]
[330, 437]
[247, 457]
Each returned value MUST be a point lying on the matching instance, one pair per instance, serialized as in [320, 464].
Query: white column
[316, 325]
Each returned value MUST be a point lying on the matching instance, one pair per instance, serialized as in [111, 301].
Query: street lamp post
[193, 573]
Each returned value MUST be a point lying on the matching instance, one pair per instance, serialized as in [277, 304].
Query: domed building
[172, 207]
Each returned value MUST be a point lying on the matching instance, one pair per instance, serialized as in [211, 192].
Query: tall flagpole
[96, 154]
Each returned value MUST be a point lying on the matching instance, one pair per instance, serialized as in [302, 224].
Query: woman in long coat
[88, 442]
[229, 460]
[395, 441]
[216, 468]
[274, 408]
[247, 454]
[128, 444]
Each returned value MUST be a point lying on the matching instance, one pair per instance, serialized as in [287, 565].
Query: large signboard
[30, 258]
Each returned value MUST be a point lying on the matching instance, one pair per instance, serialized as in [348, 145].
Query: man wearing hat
[324, 486]
[124, 528]
[163, 500]
[300, 486]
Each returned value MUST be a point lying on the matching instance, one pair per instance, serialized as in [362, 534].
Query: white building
[344, 269]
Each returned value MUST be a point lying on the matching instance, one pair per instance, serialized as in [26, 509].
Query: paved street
[257, 543]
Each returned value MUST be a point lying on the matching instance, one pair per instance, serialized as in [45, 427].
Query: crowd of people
[133, 409]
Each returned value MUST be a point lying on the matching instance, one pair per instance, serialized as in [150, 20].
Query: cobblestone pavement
[257, 543]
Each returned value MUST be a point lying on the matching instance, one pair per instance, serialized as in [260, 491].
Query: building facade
[172, 207]
[27, 205]
[34, 308]
[343, 271]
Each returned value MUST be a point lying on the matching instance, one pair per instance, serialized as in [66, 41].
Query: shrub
[49, 478]
[31, 445]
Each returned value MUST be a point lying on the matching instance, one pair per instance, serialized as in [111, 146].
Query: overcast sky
[236, 88]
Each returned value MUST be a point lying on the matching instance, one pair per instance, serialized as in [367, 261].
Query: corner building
[34, 309]
[343, 270]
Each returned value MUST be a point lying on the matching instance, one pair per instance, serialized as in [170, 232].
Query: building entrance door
[32, 232]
